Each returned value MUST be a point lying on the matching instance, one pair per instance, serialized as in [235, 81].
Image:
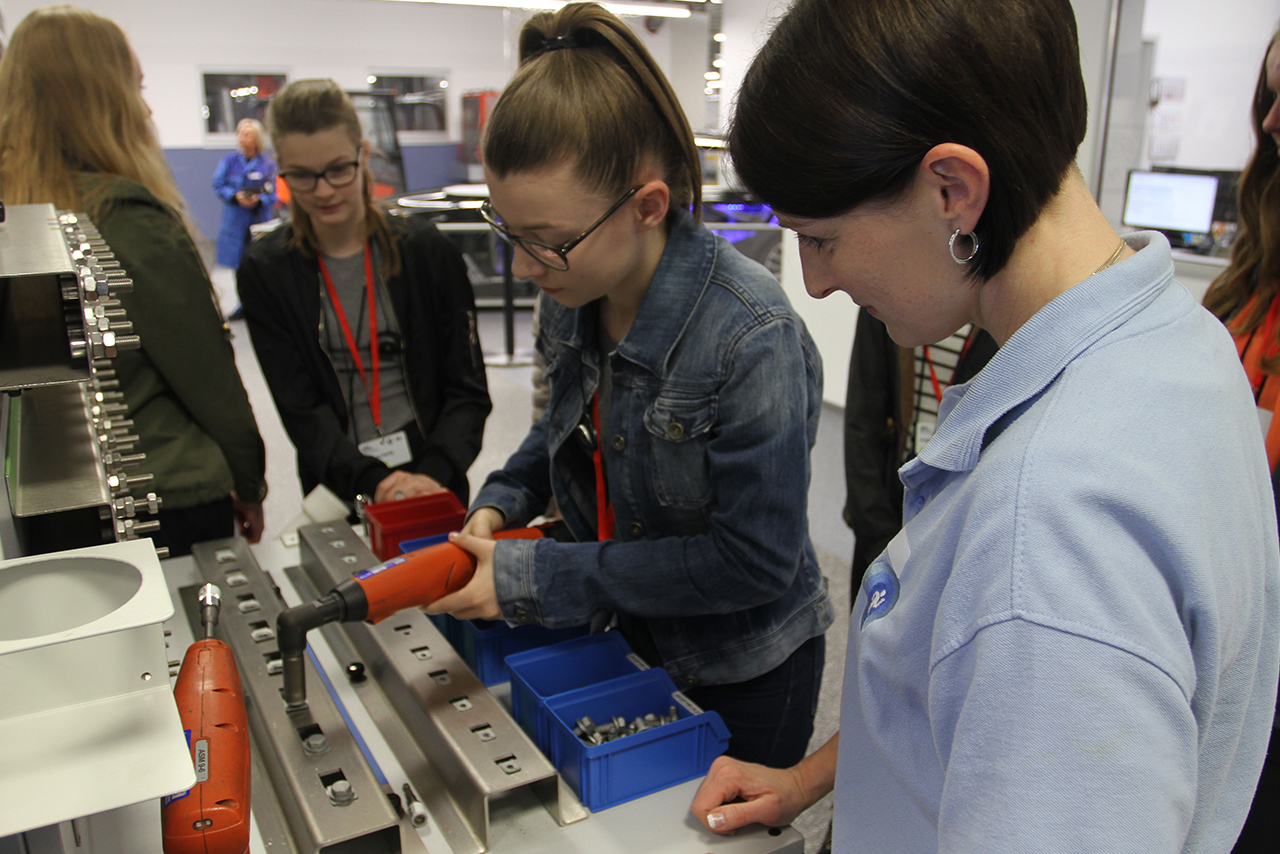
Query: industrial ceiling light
[639, 9]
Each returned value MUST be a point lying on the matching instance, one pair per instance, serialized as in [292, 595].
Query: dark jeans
[770, 717]
[179, 529]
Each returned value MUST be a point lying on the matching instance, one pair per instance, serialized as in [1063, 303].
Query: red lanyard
[604, 507]
[933, 373]
[375, 393]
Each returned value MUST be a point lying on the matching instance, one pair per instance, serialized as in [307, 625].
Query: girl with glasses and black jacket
[396, 420]
[684, 398]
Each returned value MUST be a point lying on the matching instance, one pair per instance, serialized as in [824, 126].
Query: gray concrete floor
[510, 388]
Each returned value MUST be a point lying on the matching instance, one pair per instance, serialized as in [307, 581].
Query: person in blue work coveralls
[245, 181]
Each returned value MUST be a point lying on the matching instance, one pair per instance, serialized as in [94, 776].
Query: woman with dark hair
[1073, 643]
[1247, 299]
[684, 398]
[364, 324]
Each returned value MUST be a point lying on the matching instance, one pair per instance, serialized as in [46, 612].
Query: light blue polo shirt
[1073, 644]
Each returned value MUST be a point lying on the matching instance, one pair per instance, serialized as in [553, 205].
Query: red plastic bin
[391, 522]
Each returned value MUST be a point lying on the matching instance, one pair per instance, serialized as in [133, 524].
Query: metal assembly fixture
[60, 326]
[464, 746]
[322, 789]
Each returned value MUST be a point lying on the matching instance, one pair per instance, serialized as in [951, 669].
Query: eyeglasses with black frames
[337, 176]
[548, 256]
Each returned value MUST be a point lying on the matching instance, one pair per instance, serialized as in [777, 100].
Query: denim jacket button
[690, 680]
[675, 431]
[522, 616]
[619, 442]
[636, 529]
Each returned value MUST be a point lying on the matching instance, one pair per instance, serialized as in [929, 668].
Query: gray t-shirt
[348, 279]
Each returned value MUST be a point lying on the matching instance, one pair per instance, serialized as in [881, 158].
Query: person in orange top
[1246, 297]
[1247, 294]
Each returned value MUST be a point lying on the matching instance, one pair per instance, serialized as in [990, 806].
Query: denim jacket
[716, 394]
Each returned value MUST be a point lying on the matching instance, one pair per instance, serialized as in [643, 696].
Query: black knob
[355, 672]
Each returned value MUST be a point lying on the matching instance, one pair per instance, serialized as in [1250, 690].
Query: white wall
[343, 39]
[177, 40]
[1218, 49]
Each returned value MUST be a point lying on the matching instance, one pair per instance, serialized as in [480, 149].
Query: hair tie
[558, 43]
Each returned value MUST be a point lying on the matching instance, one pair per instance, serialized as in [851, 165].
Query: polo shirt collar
[1039, 351]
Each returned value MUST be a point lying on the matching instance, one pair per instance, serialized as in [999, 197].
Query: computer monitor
[1170, 201]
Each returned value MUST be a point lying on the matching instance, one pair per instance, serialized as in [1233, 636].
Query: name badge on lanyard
[392, 449]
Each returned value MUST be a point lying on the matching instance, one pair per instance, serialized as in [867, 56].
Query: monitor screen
[1170, 201]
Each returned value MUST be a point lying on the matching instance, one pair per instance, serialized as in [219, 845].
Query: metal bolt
[315, 744]
[341, 793]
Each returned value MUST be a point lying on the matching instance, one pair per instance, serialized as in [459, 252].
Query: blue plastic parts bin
[541, 673]
[407, 546]
[630, 767]
[483, 644]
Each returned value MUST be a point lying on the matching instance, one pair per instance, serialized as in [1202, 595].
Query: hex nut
[341, 793]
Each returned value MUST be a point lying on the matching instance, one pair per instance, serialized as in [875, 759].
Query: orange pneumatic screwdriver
[410, 581]
[213, 816]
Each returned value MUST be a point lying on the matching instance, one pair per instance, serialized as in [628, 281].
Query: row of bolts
[595, 734]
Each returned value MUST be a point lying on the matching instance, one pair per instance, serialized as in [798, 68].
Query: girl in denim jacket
[684, 398]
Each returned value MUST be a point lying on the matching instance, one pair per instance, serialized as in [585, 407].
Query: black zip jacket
[434, 306]
[877, 418]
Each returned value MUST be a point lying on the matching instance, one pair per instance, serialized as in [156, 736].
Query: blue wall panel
[425, 167]
[193, 171]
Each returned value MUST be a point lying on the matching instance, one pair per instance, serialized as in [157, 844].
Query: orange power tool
[213, 816]
[410, 581]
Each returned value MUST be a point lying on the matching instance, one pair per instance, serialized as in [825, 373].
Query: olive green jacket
[188, 405]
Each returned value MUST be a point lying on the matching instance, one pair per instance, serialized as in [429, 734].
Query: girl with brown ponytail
[684, 398]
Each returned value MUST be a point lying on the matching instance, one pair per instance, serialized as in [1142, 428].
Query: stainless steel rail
[322, 789]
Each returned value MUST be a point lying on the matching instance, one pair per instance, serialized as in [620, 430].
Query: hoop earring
[951, 246]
